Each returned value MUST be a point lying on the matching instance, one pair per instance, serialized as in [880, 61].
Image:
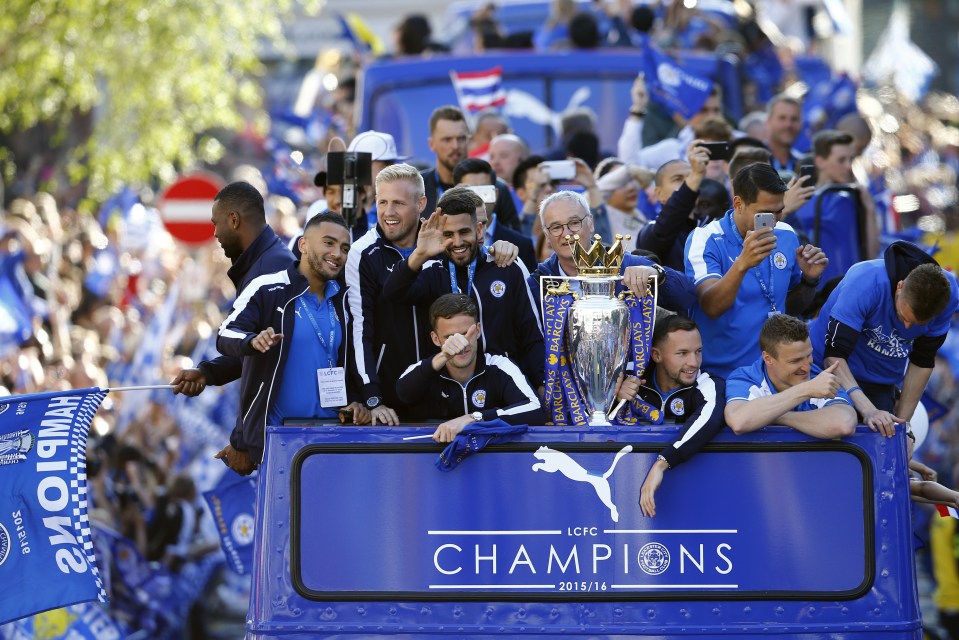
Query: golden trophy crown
[597, 261]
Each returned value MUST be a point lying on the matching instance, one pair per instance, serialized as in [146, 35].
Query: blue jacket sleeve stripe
[280, 277]
[707, 387]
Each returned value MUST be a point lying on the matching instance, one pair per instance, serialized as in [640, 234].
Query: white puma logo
[390, 268]
[553, 461]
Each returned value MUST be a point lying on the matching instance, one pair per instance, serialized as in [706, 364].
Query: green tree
[151, 75]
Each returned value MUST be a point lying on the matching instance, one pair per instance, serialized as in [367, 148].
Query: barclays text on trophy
[588, 335]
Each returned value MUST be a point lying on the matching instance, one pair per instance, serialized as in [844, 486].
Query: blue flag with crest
[46, 552]
[233, 502]
[672, 86]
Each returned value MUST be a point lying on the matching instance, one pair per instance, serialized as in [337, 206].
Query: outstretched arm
[835, 421]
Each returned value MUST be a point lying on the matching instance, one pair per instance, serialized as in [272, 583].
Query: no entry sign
[185, 207]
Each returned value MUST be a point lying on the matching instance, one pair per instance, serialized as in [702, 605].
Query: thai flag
[947, 512]
[479, 90]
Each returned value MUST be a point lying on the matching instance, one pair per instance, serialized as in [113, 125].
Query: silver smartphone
[559, 169]
[765, 220]
[485, 191]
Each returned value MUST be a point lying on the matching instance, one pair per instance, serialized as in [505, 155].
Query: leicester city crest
[498, 288]
[653, 558]
[4, 544]
[779, 259]
[479, 398]
[677, 407]
[15, 446]
[242, 529]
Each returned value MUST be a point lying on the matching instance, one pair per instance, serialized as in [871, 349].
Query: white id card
[332, 385]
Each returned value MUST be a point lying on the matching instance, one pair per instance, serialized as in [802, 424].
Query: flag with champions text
[46, 552]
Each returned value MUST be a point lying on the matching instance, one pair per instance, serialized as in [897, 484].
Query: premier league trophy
[587, 335]
[598, 326]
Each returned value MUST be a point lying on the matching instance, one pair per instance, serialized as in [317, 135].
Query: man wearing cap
[382, 148]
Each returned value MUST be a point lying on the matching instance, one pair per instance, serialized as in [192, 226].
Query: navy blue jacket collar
[263, 243]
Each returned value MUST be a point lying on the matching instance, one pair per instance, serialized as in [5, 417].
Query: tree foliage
[154, 75]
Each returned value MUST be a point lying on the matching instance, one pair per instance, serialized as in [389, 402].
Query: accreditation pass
[332, 385]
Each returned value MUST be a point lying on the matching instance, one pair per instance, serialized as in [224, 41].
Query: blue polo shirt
[299, 394]
[750, 382]
[864, 301]
[732, 339]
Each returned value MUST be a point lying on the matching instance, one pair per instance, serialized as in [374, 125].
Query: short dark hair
[781, 329]
[473, 165]
[754, 178]
[414, 34]
[583, 31]
[243, 198]
[926, 290]
[713, 200]
[824, 141]
[452, 304]
[658, 179]
[458, 201]
[446, 112]
[583, 145]
[642, 18]
[326, 216]
[669, 324]
[748, 142]
[519, 174]
[747, 156]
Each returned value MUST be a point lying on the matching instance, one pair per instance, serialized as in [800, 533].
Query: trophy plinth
[598, 326]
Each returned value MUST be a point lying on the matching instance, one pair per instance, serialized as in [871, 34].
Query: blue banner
[564, 518]
[642, 312]
[563, 398]
[233, 503]
[46, 553]
[671, 86]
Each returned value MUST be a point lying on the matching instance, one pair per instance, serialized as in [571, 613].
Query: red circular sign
[185, 207]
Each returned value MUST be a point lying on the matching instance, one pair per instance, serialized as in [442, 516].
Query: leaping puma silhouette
[553, 461]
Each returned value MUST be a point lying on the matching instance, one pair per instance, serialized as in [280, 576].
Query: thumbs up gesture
[826, 384]
[458, 342]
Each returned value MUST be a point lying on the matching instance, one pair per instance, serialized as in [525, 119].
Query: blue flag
[474, 437]
[232, 502]
[16, 308]
[46, 553]
[671, 86]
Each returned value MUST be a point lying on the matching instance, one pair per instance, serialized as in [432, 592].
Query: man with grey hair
[387, 337]
[567, 213]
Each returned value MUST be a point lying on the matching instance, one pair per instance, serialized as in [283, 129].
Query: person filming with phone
[748, 266]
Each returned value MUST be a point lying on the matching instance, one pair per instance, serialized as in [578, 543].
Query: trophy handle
[619, 405]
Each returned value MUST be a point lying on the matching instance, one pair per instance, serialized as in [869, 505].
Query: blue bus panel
[359, 535]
